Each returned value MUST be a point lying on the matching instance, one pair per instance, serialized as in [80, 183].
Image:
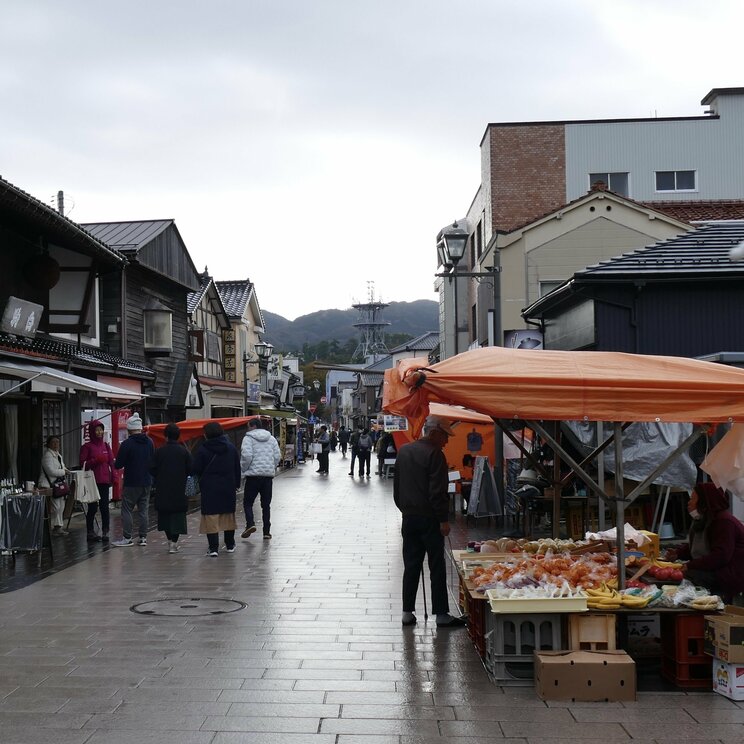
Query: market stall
[542, 388]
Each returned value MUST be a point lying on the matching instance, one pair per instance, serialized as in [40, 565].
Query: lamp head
[455, 239]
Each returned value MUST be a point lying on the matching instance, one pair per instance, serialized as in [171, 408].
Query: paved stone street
[318, 654]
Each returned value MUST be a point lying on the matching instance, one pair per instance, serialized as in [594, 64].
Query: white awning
[60, 379]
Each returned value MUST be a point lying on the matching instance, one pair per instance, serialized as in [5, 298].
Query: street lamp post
[451, 244]
[262, 351]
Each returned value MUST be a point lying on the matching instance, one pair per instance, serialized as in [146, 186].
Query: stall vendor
[715, 547]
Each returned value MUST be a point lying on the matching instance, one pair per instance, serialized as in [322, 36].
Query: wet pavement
[316, 654]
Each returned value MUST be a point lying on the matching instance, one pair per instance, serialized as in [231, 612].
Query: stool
[388, 468]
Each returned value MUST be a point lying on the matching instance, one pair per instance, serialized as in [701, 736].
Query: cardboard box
[591, 676]
[728, 679]
[723, 636]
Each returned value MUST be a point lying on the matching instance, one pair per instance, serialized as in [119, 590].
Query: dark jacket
[96, 455]
[170, 466]
[135, 456]
[217, 463]
[343, 436]
[421, 480]
[725, 535]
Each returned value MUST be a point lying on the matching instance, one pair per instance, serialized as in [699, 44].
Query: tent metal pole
[620, 505]
[600, 479]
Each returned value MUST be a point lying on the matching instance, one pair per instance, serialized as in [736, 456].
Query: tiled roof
[371, 379]
[41, 348]
[16, 202]
[700, 211]
[194, 298]
[425, 342]
[702, 252]
[127, 236]
[235, 296]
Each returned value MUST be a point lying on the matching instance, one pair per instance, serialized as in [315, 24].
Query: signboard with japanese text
[21, 317]
[254, 392]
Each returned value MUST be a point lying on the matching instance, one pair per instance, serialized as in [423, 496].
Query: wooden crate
[591, 632]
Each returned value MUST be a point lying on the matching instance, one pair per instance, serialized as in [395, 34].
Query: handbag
[60, 489]
[316, 448]
[192, 487]
[86, 489]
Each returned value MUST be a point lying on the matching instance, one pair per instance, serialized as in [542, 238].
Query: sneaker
[142, 541]
[172, 547]
[125, 542]
[267, 536]
[248, 531]
[230, 550]
[92, 537]
[211, 554]
[105, 537]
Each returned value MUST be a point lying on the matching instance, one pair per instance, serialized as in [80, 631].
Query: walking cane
[423, 589]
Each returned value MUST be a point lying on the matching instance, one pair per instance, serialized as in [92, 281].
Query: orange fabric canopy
[194, 428]
[568, 386]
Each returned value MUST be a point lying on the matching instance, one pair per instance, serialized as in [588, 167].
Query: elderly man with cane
[420, 492]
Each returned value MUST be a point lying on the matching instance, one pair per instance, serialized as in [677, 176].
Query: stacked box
[511, 641]
[683, 659]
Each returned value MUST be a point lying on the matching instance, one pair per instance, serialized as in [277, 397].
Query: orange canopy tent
[194, 428]
[568, 386]
[457, 446]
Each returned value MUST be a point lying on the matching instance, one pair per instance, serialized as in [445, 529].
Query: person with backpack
[364, 452]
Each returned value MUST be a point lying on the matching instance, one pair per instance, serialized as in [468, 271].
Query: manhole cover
[188, 606]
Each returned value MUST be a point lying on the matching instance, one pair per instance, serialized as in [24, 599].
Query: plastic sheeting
[22, 522]
[725, 462]
[645, 445]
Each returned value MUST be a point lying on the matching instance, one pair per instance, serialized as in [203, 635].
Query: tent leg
[620, 504]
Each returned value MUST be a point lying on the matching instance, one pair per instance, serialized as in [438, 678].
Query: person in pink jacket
[96, 455]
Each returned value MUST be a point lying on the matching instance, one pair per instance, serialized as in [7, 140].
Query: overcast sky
[315, 145]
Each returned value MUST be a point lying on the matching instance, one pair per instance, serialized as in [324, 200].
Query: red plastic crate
[682, 638]
[697, 676]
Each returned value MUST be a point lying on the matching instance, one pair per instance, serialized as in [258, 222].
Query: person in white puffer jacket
[259, 458]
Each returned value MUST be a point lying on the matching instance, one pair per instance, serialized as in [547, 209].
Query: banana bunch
[604, 598]
[608, 598]
[668, 564]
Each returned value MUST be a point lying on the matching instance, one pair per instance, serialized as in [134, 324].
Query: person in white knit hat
[135, 456]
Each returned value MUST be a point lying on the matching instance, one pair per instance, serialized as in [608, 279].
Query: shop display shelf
[592, 632]
[682, 638]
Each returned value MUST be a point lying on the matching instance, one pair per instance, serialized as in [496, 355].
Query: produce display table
[507, 641]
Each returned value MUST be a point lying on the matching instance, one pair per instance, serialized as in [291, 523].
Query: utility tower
[371, 327]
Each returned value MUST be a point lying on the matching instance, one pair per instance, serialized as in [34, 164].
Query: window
[158, 327]
[479, 239]
[196, 346]
[213, 347]
[549, 286]
[617, 182]
[675, 180]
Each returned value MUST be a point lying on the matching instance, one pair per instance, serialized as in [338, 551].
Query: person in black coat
[217, 463]
[171, 466]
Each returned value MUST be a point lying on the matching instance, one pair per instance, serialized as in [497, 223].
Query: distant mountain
[413, 318]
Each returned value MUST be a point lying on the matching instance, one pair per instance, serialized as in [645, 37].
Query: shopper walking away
[217, 463]
[52, 469]
[364, 451]
[171, 465]
[324, 440]
[135, 457]
[333, 438]
[343, 439]
[96, 455]
[354, 442]
[259, 459]
[420, 492]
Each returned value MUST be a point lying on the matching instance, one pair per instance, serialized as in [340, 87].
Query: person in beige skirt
[217, 465]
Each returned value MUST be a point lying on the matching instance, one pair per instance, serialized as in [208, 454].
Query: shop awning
[60, 379]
